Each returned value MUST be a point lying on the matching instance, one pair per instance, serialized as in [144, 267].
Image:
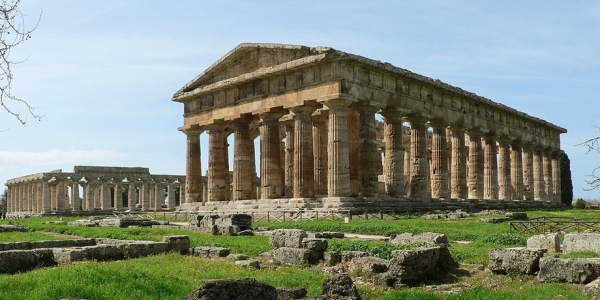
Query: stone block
[178, 243]
[237, 256]
[12, 228]
[414, 265]
[225, 289]
[517, 215]
[548, 241]
[349, 255]
[291, 293]
[574, 270]
[247, 232]
[210, 252]
[331, 258]
[368, 265]
[332, 235]
[340, 286]
[248, 263]
[14, 261]
[287, 238]
[494, 220]
[429, 239]
[143, 248]
[519, 260]
[581, 242]
[295, 256]
[314, 244]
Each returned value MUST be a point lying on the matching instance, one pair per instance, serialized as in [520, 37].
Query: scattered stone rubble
[12, 228]
[94, 221]
[428, 239]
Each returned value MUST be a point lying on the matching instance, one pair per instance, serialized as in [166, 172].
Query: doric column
[475, 178]
[131, 194]
[538, 174]
[90, 195]
[528, 185]
[418, 156]
[288, 177]
[547, 169]
[45, 195]
[75, 200]
[516, 171]
[490, 171]
[217, 174]
[458, 169]
[60, 195]
[145, 194]
[556, 175]
[367, 171]
[159, 196]
[243, 169]
[354, 151]
[439, 160]
[84, 195]
[270, 156]
[304, 161]
[319, 118]
[504, 174]
[182, 195]
[393, 168]
[118, 193]
[104, 194]
[338, 159]
[193, 168]
[171, 194]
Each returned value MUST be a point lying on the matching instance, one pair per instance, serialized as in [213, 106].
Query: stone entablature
[103, 190]
[315, 110]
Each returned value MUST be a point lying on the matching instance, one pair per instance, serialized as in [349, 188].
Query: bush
[506, 239]
[579, 203]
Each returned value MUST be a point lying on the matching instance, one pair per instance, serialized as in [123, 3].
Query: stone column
[75, 201]
[193, 168]
[288, 177]
[458, 169]
[60, 195]
[145, 194]
[131, 194]
[490, 171]
[243, 169]
[270, 156]
[319, 118]
[418, 156]
[89, 195]
[556, 175]
[475, 178]
[516, 171]
[182, 187]
[159, 198]
[217, 174]
[439, 160]
[393, 168]
[84, 201]
[104, 194]
[118, 193]
[547, 169]
[304, 161]
[171, 194]
[528, 185]
[338, 163]
[504, 174]
[367, 172]
[45, 195]
[353, 151]
[538, 175]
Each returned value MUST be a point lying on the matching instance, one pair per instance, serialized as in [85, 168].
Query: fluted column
[89, 195]
[182, 196]
[476, 169]
[490, 171]
[528, 185]
[547, 169]
[556, 175]
[145, 194]
[45, 195]
[171, 194]
[516, 171]
[118, 193]
[338, 159]
[288, 173]
[458, 169]
[354, 151]
[393, 168]
[439, 160]
[243, 169]
[104, 194]
[418, 156]
[217, 174]
[193, 168]
[270, 156]
[131, 193]
[304, 161]
[75, 201]
[159, 196]
[367, 171]
[319, 118]
[539, 188]
[504, 174]
[60, 195]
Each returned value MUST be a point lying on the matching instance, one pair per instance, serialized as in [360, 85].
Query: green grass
[11, 237]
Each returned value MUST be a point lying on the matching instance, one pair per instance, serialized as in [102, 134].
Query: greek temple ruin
[316, 112]
[92, 189]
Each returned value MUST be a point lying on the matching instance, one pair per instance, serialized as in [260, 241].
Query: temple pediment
[247, 58]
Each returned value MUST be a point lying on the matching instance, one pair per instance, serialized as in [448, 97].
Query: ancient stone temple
[317, 112]
[94, 189]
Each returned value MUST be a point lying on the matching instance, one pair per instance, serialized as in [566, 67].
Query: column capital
[416, 118]
[477, 131]
[287, 119]
[393, 113]
[338, 102]
[365, 107]
[218, 125]
[504, 140]
[193, 130]
[307, 107]
[438, 123]
[244, 119]
[320, 115]
[272, 115]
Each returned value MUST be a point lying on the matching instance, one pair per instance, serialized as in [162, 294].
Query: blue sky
[103, 72]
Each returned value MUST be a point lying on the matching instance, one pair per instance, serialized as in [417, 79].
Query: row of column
[494, 167]
[53, 195]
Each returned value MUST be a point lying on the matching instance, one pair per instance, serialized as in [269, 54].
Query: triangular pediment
[246, 58]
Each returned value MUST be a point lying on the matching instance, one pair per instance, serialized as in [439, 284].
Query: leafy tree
[13, 32]
[566, 183]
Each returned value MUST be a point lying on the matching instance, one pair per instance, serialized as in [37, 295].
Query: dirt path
[367, 237]
[63, 236]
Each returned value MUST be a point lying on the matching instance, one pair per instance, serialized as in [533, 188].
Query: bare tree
[13, 32]
[593, 144]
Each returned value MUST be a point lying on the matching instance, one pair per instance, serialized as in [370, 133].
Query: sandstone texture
[574, 270]
[518, 260]
[548, 241]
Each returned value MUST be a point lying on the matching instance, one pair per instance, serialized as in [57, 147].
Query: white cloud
[12, 159]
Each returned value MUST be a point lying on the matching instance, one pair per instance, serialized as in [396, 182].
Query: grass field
[173, 276]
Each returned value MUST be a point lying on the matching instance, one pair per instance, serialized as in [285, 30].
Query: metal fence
[555, 224]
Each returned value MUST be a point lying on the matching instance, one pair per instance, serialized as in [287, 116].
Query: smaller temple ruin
[94, 189]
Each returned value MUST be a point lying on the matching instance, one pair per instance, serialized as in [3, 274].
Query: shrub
[506, 239]
[579, 203]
